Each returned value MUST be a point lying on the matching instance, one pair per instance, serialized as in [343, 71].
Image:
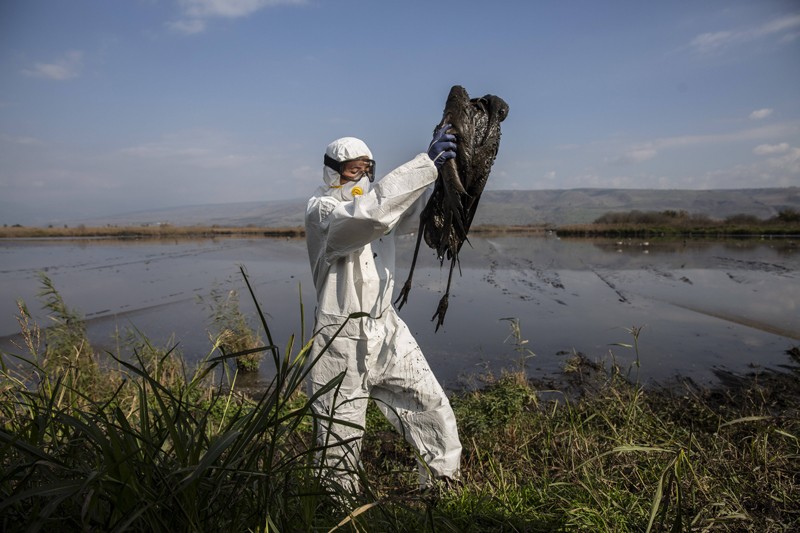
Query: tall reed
[232, 330]
[150, 456]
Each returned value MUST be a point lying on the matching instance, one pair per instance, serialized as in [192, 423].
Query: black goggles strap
[333, 164]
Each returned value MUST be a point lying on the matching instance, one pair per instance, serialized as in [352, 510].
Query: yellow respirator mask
[350, 190]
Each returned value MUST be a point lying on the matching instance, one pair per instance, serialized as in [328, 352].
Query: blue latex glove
[443, 146]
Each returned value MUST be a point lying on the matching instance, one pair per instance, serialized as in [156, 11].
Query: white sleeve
[358, 222]
[409, 222]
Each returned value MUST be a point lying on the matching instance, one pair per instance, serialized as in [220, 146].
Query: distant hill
[575, 206]
[563, 206]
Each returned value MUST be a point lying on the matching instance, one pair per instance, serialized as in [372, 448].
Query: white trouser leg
[411, 398]
[388, 365]
[340, 440]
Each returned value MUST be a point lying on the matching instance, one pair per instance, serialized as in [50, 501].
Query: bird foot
[402, 298]
[440, 312]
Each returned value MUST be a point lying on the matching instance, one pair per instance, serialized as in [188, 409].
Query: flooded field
[701, 306]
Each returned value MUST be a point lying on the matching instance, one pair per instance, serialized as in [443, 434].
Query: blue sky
[111, 107]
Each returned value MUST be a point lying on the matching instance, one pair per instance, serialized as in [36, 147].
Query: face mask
[351, 189]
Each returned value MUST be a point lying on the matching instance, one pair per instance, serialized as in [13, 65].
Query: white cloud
[782, 171]
[182, 168]
[790, 37]
[644, 151]
[784, 27]
[24, 141]
[636, 155]
[787, 165]
[64, 68]
[304, 171]
[188, 27]
[228, 8]
[764, 132]
[770, 149]
[197, 12]
[709, 42]
[202, 149]
[758, 114]
[778, 25]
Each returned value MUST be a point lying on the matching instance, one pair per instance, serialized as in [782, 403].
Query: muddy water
[699, 306]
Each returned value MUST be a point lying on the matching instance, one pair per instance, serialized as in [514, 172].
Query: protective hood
[343, 149]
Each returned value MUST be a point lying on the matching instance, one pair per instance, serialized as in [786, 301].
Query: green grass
[681, 223]
[148, 444]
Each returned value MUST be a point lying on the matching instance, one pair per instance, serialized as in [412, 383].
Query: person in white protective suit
[351, 224]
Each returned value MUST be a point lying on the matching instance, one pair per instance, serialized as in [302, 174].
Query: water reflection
[703, 305]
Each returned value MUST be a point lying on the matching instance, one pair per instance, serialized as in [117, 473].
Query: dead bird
[447, 217]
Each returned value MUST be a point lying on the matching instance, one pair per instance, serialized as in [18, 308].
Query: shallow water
[701, 305]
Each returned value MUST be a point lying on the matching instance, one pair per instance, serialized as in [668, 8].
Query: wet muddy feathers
[447, 217]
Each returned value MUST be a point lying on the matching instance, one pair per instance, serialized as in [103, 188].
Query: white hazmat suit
[350, 233]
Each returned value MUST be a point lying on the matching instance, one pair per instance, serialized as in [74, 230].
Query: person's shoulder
[319, 207]
[321, 200]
